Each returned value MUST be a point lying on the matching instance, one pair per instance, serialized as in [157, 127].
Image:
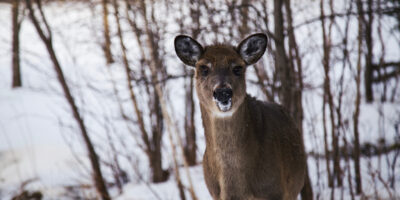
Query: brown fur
[257, 151]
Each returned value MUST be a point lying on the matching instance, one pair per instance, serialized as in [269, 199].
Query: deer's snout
[223, 95]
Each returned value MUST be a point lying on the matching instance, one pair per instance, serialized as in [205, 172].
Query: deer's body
[256, 158]
[253, 148]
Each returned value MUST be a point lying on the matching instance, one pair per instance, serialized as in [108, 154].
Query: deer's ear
[188, 49]
[253, 47]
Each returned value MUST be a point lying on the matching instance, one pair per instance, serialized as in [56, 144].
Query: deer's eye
[204, 70]
[237, 70]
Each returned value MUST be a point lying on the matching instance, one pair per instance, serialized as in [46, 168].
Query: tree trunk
[94, 160]
[16, 25]
[367, 32]
[326, 144]
[155, 64]
[158, 175]
[190, 145]
[244, 13]
[281, 62]
[291, 90]
[107, 40]
[356, 155]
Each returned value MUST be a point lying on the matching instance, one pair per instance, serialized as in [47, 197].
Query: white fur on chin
[221, 114]
[224, 110]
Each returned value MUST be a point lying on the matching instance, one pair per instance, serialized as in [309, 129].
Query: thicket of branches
[337, 55]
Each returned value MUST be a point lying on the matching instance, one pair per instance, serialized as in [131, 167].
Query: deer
[253, 148]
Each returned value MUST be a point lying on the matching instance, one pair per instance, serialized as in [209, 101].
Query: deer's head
[220, 70]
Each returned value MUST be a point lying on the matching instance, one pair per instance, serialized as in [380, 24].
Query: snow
[40, 141]
[168, 189]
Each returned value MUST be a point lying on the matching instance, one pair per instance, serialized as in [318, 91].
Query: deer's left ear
[253, 47]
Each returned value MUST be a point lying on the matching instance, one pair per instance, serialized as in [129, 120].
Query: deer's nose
[223, 95]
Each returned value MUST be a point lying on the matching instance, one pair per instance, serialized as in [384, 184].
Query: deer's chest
[234, 156]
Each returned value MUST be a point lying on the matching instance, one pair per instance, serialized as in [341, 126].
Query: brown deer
[253, 148]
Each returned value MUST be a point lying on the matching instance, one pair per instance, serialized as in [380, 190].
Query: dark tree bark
[326, 144]
[281, 62]
[190, 146]
[290, 91]
[368, 57]
[244, 13]
[158, 174]
[16, 26]
[297, 112]
[356, 155]
[47, 40]
[107, 40]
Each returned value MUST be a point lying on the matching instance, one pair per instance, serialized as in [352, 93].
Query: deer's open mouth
[223, 98]
[225, 105]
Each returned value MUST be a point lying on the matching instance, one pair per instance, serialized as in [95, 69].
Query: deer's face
[220, 70]
[220, 79]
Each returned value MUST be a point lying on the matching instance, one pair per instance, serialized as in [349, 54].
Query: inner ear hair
[188, 49]
[253, 47]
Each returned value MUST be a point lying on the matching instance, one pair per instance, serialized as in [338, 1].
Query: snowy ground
[38, 139]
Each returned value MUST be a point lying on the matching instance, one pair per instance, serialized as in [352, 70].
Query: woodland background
[94, 103]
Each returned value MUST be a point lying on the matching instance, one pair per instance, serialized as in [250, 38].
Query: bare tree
[290, 84]
[16, 27]
[190, 146]
[356, 155]
[367, 28]
[295, 60]
[106, 31]
[152, 139]
[158, 71]
[327, 47]
[48, 42]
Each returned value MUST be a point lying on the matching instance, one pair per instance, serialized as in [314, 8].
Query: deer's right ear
[188, 49]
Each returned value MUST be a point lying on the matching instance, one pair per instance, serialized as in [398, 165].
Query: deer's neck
[227, 135]
[228, 148]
